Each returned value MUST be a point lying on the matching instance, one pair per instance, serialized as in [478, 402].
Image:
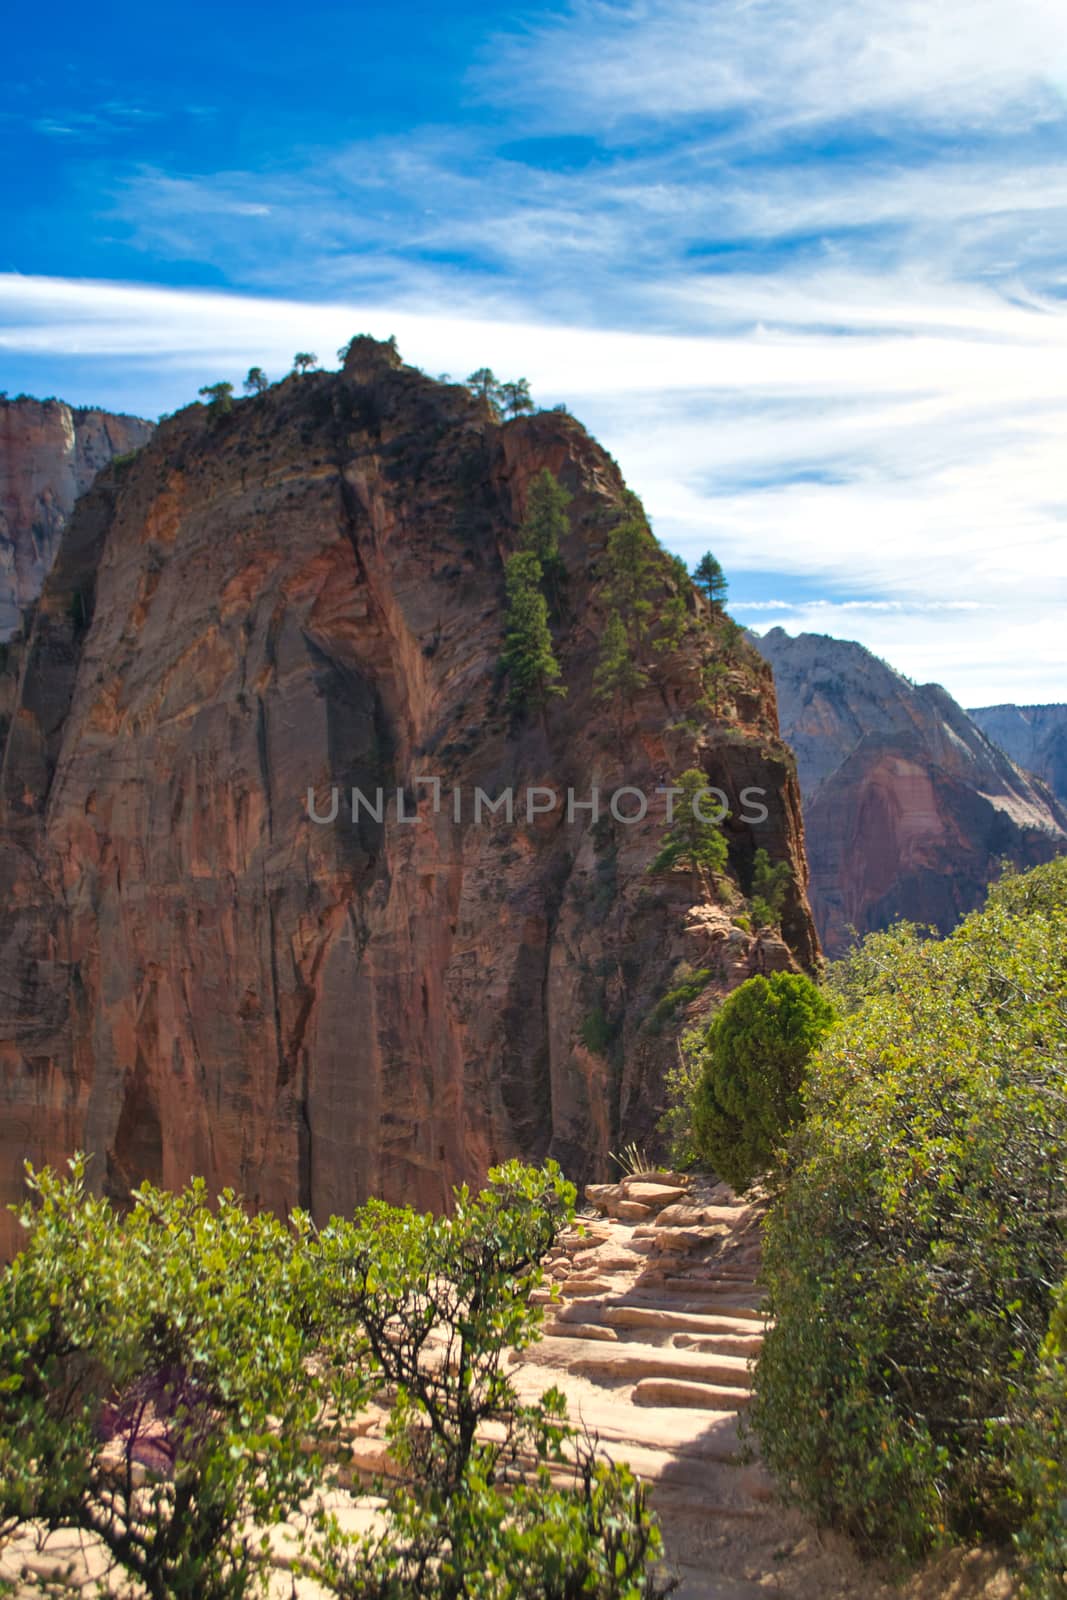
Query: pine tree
[691, 840]
[220, 397]
[711, 580]
[769, 885]
[528, 657]
[618, 677]
[543, 526]
[514, 398]
[304, 360]
[257, 381]
[633, 558]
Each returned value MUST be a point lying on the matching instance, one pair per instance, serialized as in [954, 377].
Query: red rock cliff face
[49, 455]
[909, 807]
[197, 978]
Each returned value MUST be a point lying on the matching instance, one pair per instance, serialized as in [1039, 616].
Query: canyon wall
[909, 808]
[1035, 737]
[49, 454]
[195, 976]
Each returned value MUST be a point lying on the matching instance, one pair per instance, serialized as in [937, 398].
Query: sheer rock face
[49, 455]
[1035, 737]
[195, 977]
[909, 808]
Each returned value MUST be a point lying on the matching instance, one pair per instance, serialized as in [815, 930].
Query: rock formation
[1035, 737]
[195, 977]
[49, 455]
[909, 808]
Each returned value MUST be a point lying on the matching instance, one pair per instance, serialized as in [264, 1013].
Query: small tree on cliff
[543, 526]
[711, 580]
[304, 360]
[219, 397]
[618, 677]
[529, 659]
[257, 381]
[514, 398]
[633, 559]
[769, 886]
[693, 839]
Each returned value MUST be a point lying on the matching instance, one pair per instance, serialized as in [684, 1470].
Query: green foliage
[256, 381]
[219, 397]
[543, 526]
[440, 1301]
[710, 580]
[770, 884]
[304, 360]
[209, 1347]
[912, 1259]
[1040, 1468]
[755, 1056]
[634, 563]
[528, 658]
[684, 993]
[618, 676]
[598, 1034]
[514, 398]
[673, 625]
[171, 1339]
[692, 840]
[680, 1083]
[503, 399]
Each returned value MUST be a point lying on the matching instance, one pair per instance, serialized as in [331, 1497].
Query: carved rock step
[627, 1363]
[670, 1320]
[694, 1396]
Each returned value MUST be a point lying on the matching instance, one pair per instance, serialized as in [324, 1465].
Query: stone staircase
[653, 1318]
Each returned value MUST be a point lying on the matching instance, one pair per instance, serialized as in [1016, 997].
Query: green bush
[169, 1343]
[1041, 1468]
[684, 993]
[436, 1303]
[169, 1375]
[911, 1258]
[754, 1058]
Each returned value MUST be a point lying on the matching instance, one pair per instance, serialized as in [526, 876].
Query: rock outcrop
[49, 454]
[909, 808]
[195, 976]
[1035, 737]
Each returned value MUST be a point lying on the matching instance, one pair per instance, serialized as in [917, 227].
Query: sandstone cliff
[49, 455]
[1035, 737]
[197, 978]
[908, 806]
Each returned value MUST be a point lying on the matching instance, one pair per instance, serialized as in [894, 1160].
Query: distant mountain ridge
[909, 807]
[1033, 736]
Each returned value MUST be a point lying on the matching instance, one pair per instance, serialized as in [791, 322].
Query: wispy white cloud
[919, 478]
[784, 61]
[802, 273]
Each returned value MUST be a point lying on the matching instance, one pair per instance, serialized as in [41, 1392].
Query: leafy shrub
[163, 1375]
[691, 988]
[912, 1256]
[754, 1058]
[170, 1344]
[1041, 1468]
[437, 1303]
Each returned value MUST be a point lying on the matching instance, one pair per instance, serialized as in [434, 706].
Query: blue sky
[800, 264]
